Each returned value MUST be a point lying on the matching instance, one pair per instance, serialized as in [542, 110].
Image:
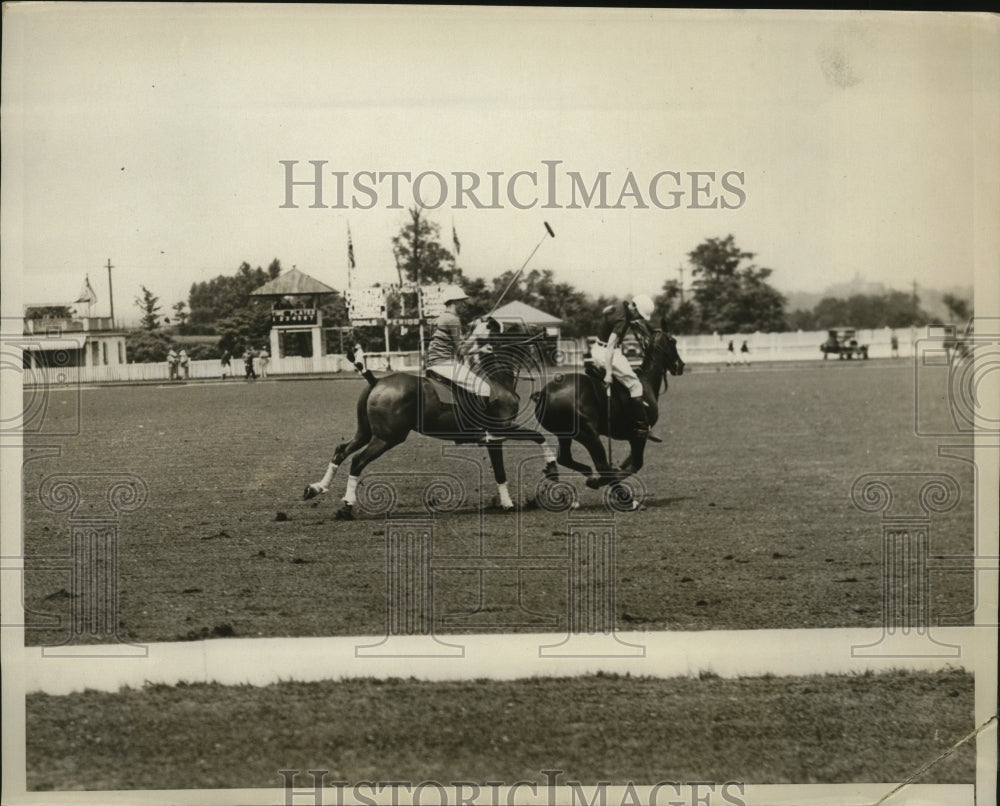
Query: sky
[159, 136]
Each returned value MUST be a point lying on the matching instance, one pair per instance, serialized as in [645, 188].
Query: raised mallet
[548, 233]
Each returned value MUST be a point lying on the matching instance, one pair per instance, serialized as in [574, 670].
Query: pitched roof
[522, 312]
[290, 284]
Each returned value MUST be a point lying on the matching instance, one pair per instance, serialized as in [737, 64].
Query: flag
[350, 249]
[454, 240]
[86, 293]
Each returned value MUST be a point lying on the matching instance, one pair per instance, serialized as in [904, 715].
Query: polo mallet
[548, 233]
[608, 388]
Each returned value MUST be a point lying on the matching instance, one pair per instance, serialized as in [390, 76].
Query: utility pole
[680, 269]
[111, 294]
[914, 301]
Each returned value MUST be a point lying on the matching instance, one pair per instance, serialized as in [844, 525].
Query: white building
[90, 341]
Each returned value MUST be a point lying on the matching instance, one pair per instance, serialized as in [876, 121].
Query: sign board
[431, 300]
[293, 316]
[365, 304]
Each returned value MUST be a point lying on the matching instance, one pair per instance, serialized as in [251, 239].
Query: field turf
[748, 521]
[806, 730]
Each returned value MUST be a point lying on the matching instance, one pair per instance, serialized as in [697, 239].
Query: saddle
[620, 402]
[442, 386]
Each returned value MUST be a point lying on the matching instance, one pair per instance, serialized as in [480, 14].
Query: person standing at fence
[894, 344]
[745, 353]
[172, 363]
[265, 359]
[226, 363]
[184, 361]
[731, 358]
[248, 357]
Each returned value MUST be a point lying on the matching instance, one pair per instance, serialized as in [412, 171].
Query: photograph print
[499, 405]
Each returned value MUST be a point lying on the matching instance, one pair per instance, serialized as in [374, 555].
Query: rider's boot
[640, 420]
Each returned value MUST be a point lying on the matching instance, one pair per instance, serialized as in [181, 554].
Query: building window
[104, 353]
[121, 352]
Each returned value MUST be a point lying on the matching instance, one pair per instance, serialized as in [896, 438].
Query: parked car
[844, 344]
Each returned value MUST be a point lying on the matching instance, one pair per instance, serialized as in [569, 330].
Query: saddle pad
[440, 387]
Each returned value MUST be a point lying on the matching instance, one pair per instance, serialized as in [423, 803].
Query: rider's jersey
[617, 319]
[445, 340]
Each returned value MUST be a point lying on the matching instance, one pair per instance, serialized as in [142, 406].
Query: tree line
[728, 294]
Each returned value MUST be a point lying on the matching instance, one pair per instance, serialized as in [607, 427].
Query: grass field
[817, 729]
[748, 520]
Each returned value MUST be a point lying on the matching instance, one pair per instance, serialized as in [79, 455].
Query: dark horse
[393, 406]
[575, 406]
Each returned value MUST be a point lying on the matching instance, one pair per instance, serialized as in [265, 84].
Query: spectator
[184, 361]
[745, 353]
[226, 363]
[894, 343]
[172, 360]
[731, 359]
[265, 359]
[248, 357]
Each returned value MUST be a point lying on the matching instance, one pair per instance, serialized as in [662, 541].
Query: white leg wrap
[327, 480]
[550, 455]
[351, 496]
[505, 501]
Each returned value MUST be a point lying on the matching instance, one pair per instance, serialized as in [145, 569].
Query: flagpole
[350, 254]
[111, 294]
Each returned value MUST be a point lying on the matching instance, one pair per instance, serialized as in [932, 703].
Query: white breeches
[620, 368]
[461, 375]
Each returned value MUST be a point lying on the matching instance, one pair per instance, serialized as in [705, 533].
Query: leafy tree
[148, 303]
[222, 297]
[958, 308]
[539, 288]
[680, 315]
[419, 254]
[732, 294]
[147, 346]
[892, 309]
[246, 327]
[180, 315]
[48, 312]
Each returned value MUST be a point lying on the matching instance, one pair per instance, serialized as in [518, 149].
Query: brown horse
[575, 407]
[393, 406]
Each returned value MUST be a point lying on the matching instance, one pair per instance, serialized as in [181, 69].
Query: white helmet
[452, 293]
[643, 305]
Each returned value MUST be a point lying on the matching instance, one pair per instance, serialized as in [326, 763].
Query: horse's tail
[363, 371]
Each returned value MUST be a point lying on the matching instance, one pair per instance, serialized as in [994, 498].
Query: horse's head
[661, 355]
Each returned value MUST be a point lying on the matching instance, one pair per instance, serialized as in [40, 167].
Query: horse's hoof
[309, 492]
[551, 472]
[594, 482]
[345, 513]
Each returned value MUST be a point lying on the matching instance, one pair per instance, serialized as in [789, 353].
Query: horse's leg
[344, 449]
[591, 440]
[495, 451]
[529, 435]
[634, 462]
[361, 437]
[566, 457]
[372, 451]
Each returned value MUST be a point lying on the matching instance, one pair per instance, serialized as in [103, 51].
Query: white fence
[798, 346]
[709, 349]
